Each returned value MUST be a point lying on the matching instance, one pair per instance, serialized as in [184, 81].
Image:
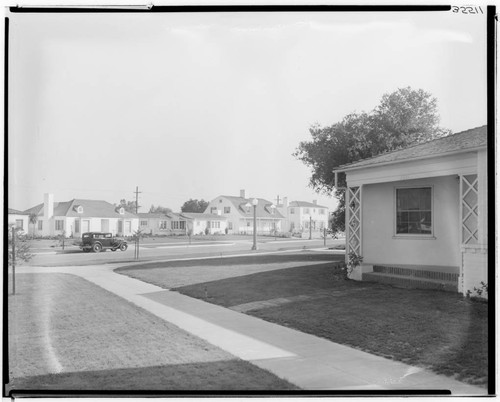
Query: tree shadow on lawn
[441, 331]
[257, 259]
[212, 376]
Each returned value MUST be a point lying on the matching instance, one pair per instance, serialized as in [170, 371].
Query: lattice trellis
[354, 209]
[469, 205]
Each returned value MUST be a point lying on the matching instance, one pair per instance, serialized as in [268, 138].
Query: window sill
[414, 237]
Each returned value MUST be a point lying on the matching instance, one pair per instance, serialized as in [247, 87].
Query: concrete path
[307, 361]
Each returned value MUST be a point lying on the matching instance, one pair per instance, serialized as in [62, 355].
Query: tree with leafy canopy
[33, 219]
[404, 117]
[194, 206]
[159, 210]
[129, 206]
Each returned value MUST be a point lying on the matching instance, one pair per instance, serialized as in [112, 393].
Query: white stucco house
[306, 218]
[174, 223]
[201, 223]
[78, 216]
[239, 214]
[19, 219]
[421, 213]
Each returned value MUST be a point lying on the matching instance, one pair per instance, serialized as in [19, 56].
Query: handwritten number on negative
[467, 9]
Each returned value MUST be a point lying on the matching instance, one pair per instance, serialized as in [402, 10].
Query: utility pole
[137, 192]
[13, 260]
[310, 227]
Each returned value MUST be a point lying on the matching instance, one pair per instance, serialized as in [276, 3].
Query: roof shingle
[463, 141]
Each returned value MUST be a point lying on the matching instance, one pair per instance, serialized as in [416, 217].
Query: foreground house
[78, 216]
[19, 219]
[421, 214]
[240, 216]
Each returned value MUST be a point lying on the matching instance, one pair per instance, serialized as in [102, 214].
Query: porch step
[415, 277]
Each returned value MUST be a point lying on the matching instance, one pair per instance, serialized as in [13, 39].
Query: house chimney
[315, 202]
[285, 202]
[48, 205]
[242, 194]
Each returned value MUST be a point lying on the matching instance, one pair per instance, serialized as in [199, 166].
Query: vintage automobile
[97, 241]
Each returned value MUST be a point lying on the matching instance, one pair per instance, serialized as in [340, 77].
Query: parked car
[97, 241]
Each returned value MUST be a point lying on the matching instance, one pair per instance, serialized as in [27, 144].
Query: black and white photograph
[248, 200]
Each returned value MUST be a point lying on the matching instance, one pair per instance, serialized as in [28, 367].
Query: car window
[108, 235]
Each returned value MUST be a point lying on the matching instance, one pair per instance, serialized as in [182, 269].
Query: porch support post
[474, 230]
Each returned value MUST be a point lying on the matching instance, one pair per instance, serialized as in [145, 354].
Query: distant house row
[224, 214]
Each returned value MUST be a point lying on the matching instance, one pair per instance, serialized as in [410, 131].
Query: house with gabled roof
[19, 219]
[305, 218]
[419, 216]
[78, 216]
[240, 214]
[202, 223]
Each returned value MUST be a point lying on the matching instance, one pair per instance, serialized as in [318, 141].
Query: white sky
[198, 105]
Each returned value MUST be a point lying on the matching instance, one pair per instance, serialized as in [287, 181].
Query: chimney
[285, 202]
[242, 194]
[48, 205]
[315, 202]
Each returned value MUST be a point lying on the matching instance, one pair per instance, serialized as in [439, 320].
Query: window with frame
[292, 211]
[40, 225]
[321, 211]
[227, 210]
[230, 225]
[414, 211]
[163, 225]
[59, 224]
[144, 223]
[182, 224]
[306, 210]
[19, 223]
[213, 210]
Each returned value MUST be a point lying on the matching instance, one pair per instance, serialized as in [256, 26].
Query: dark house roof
[91, 209]
[464, 141]
[16, 212]
[264, 209]
[305, 204]
[152, 215]
[203, 216]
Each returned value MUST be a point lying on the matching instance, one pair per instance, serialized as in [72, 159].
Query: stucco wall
[380, 245]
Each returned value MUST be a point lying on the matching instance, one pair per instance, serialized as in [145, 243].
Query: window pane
[413, 213]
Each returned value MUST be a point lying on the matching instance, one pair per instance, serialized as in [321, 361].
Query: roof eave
[462, 151]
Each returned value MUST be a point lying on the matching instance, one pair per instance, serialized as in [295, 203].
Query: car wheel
[123, 247]
[97, 248]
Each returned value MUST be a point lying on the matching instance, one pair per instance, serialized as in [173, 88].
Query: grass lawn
[67, 333]
[180, 273]
[436, 330]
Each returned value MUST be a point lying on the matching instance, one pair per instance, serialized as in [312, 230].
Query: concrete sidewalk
[305, 360]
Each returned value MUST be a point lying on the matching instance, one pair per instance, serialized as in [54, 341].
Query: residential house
[421, 213]
[201, 223]
[19, 219]
[78, 216]
[155, 223]
[240, 214]
[173, 223]
[304, 218]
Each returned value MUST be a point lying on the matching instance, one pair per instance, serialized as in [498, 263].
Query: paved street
[165, 248]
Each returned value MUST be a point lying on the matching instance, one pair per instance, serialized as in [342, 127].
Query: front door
[85, 226]
[105, 225]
